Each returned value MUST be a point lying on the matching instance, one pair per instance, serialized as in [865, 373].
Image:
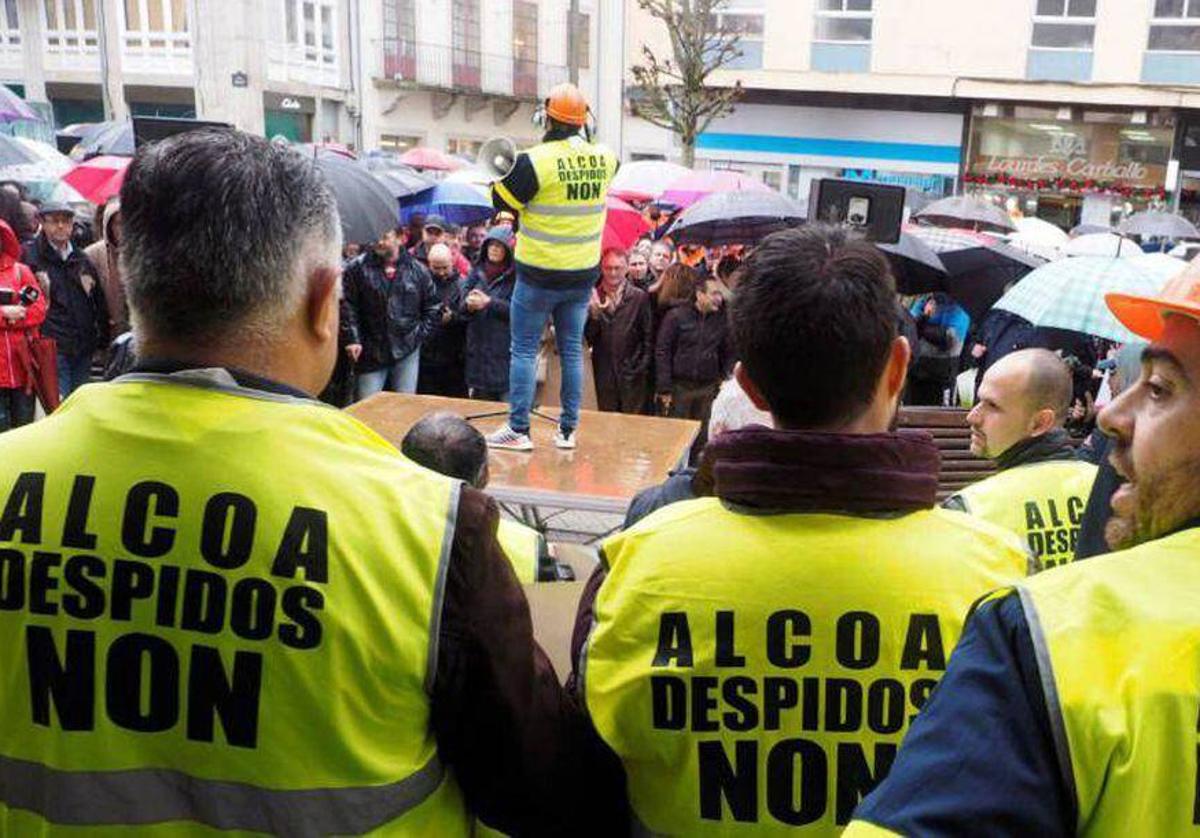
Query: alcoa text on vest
[761, 670]
[562, 227]
[201, 629]
[1043, 503]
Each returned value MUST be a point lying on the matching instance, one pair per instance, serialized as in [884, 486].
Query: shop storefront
[290, 117]
[1093, 168]
[787, 147]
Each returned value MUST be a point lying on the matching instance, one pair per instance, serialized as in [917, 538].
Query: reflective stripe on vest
[523, 546]
[214, 638]
[1117, 644]
[757, 672]
[156, 795]
[562, 226]
[1042, 503]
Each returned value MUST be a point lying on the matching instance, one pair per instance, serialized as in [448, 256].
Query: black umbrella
[403, 181]
[742, 217]
[367, 208]
[917, 268]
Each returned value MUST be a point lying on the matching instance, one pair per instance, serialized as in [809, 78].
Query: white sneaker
[564, 440]
[505, 437]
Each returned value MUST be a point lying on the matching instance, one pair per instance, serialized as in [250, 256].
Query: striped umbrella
[1069, 294]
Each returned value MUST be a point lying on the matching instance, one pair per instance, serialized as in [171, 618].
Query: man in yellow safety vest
[754, 658]
[1042, 488]
[1071, 705]
[228, 606]
[559, 188]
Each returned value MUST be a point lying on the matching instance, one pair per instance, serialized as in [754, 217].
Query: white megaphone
[497, 157]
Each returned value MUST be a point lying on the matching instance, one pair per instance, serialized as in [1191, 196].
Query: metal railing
[451, 68]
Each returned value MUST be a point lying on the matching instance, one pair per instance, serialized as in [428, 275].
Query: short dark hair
[813, 320]
[216, 222]
[448, 444]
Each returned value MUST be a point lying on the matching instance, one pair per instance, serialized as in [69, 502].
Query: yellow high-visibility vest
[1118, 637]
[756, 672]
[524, 547]
[562, 226]
[218, 607]
[1043, 503]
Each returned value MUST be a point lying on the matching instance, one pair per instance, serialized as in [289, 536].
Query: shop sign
[1100, 155]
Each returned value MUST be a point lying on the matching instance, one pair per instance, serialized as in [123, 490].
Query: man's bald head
[1025, 394]
[441, 260]
[1044, 379]
[448, 444]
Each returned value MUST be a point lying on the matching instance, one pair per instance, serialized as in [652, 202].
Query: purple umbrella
[14, 109]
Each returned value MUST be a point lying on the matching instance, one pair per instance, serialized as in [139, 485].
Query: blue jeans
[400, 377]
[530, 307]
[73, 372]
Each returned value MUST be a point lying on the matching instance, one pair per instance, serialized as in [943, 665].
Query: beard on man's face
[1150, 506]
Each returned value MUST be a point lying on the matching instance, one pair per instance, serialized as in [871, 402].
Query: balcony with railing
[444, 67]
[70, 35]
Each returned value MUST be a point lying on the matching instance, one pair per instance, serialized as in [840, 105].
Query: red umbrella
[623, 226]
[98, 179]
[692, 187]
[423, 157]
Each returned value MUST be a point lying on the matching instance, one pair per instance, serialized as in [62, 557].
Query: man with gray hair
[233, 607]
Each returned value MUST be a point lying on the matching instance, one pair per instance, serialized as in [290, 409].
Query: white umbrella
[1038, 237]
[1101, 244]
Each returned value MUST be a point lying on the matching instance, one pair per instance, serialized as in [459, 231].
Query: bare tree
[672, 91]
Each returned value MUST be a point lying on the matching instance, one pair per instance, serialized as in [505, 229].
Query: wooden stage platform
[618, 455]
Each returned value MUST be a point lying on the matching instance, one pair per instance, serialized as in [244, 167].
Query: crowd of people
[233, 607]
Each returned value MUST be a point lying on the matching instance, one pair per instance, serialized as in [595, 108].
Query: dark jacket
[390, 318]
[445, 345]
[692, 347]
[78, 314]
[488, 341]
[622, 347]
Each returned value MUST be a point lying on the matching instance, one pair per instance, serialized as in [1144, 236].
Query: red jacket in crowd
[16, 277]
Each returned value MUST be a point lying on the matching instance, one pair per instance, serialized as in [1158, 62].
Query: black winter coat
[445, 345]
[692, 347]
[390, 318]
[77, 318]
[488, 338]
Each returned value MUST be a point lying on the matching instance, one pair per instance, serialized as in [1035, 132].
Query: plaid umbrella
[1069, 294]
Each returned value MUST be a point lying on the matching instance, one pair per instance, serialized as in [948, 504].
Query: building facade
[276, 67]
[1072, 110]
[369, 73]
[450, 74]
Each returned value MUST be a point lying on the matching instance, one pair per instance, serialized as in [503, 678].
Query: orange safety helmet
[567, 105]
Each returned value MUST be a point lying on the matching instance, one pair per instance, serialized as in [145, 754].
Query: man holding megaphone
[558, 187]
